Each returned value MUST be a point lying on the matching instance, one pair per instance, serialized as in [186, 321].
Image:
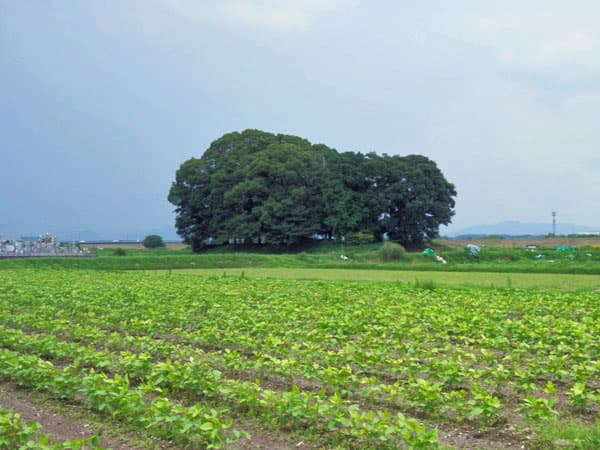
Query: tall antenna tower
[553, 223]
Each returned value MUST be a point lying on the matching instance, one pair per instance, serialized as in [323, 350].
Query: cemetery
[47, 245]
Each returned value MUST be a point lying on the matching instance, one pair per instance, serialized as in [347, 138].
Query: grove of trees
[259, 187]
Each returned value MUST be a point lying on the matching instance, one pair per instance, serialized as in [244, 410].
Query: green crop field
[232, 362]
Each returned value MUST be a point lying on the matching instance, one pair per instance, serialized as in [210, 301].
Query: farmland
[238, 362]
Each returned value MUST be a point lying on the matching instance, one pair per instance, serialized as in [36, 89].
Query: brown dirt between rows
[59, 426]
[261, 440]
[62, 427]
[468, 438]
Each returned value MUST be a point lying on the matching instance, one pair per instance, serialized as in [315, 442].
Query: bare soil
[59, 425]
[469, 438]
[264, 440]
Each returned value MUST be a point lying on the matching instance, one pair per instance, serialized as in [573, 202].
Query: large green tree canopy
[273, 188]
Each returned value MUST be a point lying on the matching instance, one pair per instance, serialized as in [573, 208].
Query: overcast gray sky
[101, 101]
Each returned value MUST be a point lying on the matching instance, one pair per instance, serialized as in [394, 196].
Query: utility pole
[553, 223]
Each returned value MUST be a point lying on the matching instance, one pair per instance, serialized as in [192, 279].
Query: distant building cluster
[46, 245]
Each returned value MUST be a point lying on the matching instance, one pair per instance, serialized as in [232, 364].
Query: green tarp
[565, 248]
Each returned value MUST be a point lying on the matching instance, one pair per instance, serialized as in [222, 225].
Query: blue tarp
[474, 249]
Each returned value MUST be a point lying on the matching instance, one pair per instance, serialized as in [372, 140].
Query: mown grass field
[234, 362]
[429, 279]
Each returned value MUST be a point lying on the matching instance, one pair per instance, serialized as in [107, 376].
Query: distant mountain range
[514, 228]
[508, 228]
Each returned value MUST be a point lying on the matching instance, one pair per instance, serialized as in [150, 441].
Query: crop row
[15, 433]
[194, 425]
[517, 349]
[420, 395]
[413, 340]
[293, 409]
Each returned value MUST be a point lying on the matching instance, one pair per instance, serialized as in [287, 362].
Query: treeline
[278, 189]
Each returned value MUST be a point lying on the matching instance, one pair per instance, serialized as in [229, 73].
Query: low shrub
[119, 252]
[392, 251]
[427, 285]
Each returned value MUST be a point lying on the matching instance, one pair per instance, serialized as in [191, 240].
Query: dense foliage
[347, 365]
[258, 187]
